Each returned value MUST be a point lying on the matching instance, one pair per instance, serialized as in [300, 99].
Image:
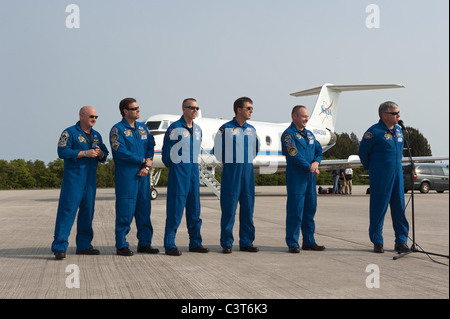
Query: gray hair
[385, 106]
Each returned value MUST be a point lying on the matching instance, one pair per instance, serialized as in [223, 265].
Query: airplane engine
[325, 137]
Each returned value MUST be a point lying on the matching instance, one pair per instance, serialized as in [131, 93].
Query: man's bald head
[88, 117]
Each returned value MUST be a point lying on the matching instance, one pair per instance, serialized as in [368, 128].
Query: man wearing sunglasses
[380, 152]
[81, 148]
[133, 149]
[236, 145]
[180, 151]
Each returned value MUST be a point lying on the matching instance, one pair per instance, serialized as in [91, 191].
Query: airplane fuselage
[269, 159]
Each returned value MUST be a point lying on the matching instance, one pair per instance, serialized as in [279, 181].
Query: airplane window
[268, 140]
[165, 125]
[153, 125]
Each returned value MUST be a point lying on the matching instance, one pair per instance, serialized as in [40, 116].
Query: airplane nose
[158, 141]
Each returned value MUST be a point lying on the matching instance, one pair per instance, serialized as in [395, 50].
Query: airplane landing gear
[153, 193]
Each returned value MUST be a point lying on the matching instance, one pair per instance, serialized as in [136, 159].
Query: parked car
[427, 177]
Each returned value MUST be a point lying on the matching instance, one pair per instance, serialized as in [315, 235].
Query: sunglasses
[192, 108]
[93, 116]
[392, 113]
[133, 108]
[248, 108]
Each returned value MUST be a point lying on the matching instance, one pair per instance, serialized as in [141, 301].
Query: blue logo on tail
[326, 110]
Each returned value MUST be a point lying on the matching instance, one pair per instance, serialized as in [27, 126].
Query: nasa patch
[63, 139]
[81, 139]
[292, 151]
[368, 135]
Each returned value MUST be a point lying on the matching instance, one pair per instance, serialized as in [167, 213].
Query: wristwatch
[147, 168]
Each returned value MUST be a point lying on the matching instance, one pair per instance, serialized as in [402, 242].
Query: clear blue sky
[161, 52]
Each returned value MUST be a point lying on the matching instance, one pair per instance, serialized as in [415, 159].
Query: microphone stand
[413, 246]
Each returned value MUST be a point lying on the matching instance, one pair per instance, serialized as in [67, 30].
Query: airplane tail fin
[325, 110]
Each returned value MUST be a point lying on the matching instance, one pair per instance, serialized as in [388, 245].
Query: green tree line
[21, 174]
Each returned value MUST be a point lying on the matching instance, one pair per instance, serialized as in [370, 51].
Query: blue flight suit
[236, 147]
[129, 148]
[180, 151]
[78, 187]
[380, 152]
[301, 149]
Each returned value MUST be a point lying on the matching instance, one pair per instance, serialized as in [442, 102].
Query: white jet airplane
[269, 159]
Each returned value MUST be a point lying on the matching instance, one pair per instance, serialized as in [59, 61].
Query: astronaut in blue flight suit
[303, 154]
[180, 151]
[81, 148]
[380, 152]
[236, 145]
[133, 149]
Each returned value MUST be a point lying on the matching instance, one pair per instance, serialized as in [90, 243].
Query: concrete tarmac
[346, 269]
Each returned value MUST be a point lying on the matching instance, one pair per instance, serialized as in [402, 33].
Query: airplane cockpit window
[165, 125]
[158, 127]
[153, 125]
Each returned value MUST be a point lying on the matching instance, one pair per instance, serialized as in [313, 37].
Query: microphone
[400, 122]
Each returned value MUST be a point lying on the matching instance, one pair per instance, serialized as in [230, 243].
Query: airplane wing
[262, 165]
[353, 161]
